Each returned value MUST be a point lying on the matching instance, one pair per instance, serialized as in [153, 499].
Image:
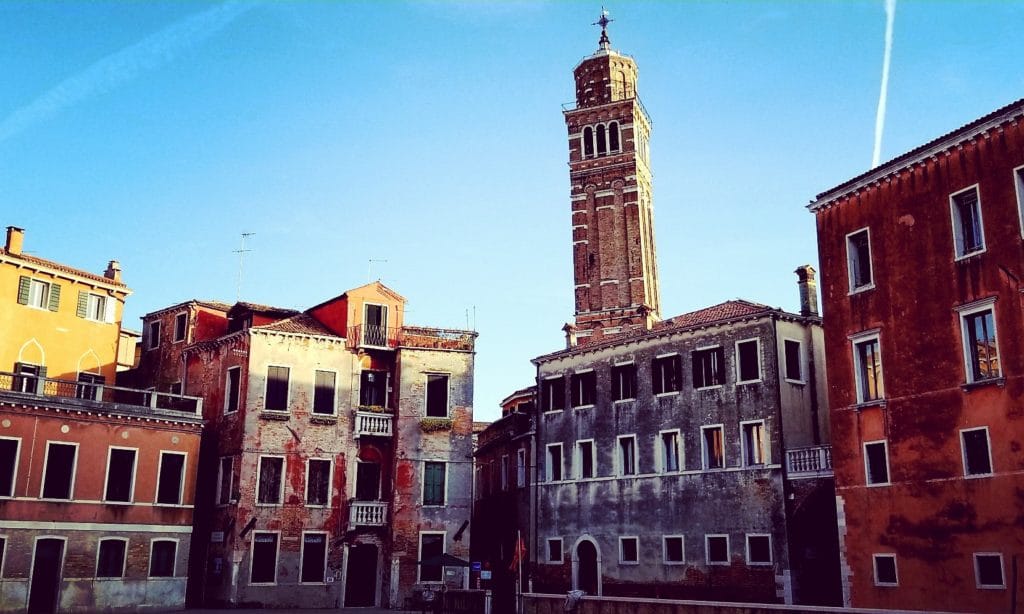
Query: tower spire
[604, 43]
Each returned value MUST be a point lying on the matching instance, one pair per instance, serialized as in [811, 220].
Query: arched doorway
[586, 567]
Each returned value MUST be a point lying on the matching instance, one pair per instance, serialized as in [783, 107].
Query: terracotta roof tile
[302, 324]
[62, 268]
[722, 311]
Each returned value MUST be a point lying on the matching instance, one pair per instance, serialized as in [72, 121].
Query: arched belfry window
[613, 136]
[588, 142]
[602, 140]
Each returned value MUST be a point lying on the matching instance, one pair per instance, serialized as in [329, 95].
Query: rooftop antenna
[241, 251]
[369, 267]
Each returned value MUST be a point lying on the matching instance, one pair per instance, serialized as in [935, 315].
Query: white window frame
[577, 377]
[43, 294]
[546, 398]
[707, 549]
[622, 539]
[620, 461]
[266, 389]
[867, 468]
[227, 389]
[280, 486]
[330, 481]
[153, 329]
[858, 340]
[850, 261]
[426, 393]
[766, 455]
[184, 332]
[181, 482]
[977, 572]
[799, 358]
[723, 369]
[419, 553]
[14, 470]
[334, 395]
[149, 561]
[895, 567]
[124, 559]
[99, 302]
[705, 458]
[504, 473]
[35, 549]
[958, 240]
[659, 451]
[423, 482]
[521, 470]
[1018, 182]
[578, 459]
[547, 551]
[74, 470]
[660, 372]
[771, 554]
[302, 555]
[988, 448]
[664, 549]
[220, 480]
[988, 304]
[612, 374]
[135, 469]
[277, 556]
[548, 466]
[760, 375]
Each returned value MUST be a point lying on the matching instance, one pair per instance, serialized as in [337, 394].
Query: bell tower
[615, 267]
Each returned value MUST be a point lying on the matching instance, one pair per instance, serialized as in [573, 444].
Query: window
[89, 386]
[314, 557]
[623, 382]
[588, 142]
[584, 388]
[431, 545]
[988, 570]
[277, 388]
[175, 388]
[627, 455]
[666, 374]
[968, 237]
[629, 551]
[858, 260]
[673, 550]
[263, 569]
[554, 464]
[876, 463]
[613, 137]
[585, 460]
[180, 326]
[867, 364]
[8, 465]
[437, 395]
[110, 557]
[270, 485]
[602, 141]
[323, 393]
[755, 452]
[670, 451]
[716, 549]
[171, 478]
[885, 570]
[162, 557]
[59, 471]
[375, 328]
[794, 361]
[748, 361]
[95, 307]
[225, 481]
[433, 483]
[36, 293]
[713, 447]
[29, 378]
[708, 367]
[367, 481]
[520, 468]
[552, 394]
[759, 549]
[318, 481]
[981, 352]
[120, 475]
[153, 338]
[234, 376]
[977, 455]
[554, 552]
[504, 472]
[373, 388]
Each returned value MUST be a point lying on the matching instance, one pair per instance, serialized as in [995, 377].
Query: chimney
[113, 271]
[570, 336]
[808, 290]
[15, 239]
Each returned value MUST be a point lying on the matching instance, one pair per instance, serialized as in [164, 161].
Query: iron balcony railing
[372, 336]
[381, 337]
[367, 514]
[96, 395]
[572, 106]
[809, 462]
[372, 424]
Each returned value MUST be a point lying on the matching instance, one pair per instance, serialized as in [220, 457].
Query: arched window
[613, 136]
[588, 142]
[602, 141]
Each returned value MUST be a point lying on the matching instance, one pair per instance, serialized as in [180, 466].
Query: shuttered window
[433, 483]
[36, 293]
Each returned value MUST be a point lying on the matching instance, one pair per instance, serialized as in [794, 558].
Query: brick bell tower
[615, 267]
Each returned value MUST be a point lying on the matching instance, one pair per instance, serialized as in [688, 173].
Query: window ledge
[587, 406]
[796, 382]
[631, 399]
[853, 292]
[992, 381]
[271, 414]
[666, 394]
[707, 388]
[969, 255]
[879, 403]
[323, 419]
[552, 411]
[748, 382]
[979, 476]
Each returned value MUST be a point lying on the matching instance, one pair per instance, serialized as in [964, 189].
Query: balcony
[809, 462]
[95, 396]
[437, 338]
[372, 424]
[372, 336]
[367, 514]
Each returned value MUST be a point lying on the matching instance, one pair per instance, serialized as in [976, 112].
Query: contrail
[149, 53]
[890, 15]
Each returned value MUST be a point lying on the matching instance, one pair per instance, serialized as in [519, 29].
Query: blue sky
[430, 135]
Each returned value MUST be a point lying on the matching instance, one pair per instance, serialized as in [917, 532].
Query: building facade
[921, 262]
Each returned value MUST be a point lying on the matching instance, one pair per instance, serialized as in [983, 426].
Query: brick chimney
[570, 335]
[15, 239]
[113, 271]
[808, 290]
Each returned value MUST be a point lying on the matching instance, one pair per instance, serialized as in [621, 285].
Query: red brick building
[922, 263]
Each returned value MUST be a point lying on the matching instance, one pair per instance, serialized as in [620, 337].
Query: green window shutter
[54, 297]
[23, 285]
[83, 303]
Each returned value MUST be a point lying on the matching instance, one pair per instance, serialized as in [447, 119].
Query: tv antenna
[369, 267]
[241, 251]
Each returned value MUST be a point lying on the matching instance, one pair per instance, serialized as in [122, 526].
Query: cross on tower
[603, 22]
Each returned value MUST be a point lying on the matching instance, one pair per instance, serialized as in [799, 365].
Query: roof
[216, 305]
[918, 154]
[258, 308]
[529, 391]
[63, 268]
[303, 324]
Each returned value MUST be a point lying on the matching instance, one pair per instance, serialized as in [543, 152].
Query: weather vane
[603, 22]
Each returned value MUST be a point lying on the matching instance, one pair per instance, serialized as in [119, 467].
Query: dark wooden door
[44, 593]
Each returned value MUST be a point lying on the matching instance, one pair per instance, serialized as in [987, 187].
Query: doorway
[44, 589]
[587, 568]
[367, 481]
[361, 576]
